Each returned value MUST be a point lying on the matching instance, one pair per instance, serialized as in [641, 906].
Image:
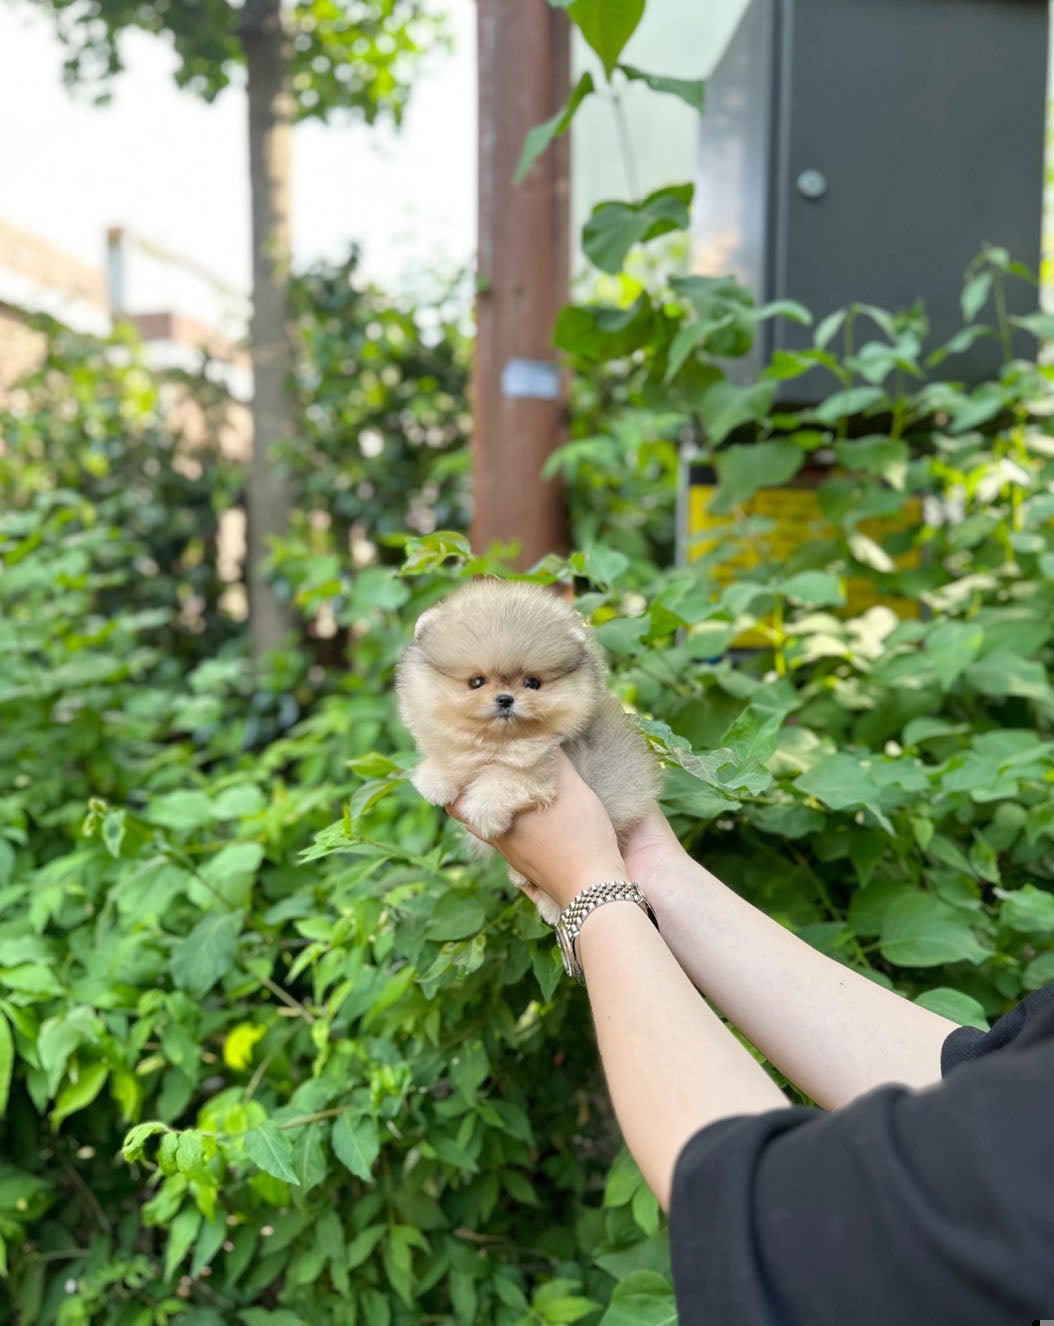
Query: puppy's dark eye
[532, 683]
[474, 683]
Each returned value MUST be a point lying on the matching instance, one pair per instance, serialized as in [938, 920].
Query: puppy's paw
[485, 821]
[434, 786]
[488, 815]
[548, 909]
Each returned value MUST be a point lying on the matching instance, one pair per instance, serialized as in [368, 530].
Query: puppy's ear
[422, 622]
[579, 630]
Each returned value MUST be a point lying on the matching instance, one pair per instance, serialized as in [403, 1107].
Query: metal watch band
[572, 918]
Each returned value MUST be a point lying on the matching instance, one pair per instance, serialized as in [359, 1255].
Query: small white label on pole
[534, 378]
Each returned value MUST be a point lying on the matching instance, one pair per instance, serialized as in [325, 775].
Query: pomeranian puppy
[499, 677]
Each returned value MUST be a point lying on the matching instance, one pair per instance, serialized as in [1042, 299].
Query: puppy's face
[499, 662]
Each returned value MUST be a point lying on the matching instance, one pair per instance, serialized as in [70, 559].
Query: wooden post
[519, 393]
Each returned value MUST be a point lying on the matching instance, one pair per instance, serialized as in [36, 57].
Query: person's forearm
[671, 1065]
[833, 1032]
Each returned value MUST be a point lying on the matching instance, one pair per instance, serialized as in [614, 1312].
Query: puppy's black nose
[504, 701]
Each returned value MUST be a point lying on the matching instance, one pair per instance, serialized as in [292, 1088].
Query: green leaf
[181, 810]
[190, 1155]
[7, 861]
[645, 1210]
[232, 870]
[788, 821]
[207, 953]
[623, 636]
[603, 332]
[692, 91]
[556, 1302]
[829, 328]
[607, 26]
[455, 916]
[841, 782]
[958, 344]
[113, 828]
[920, 930]
[725, 406]
[951, 647]
[268, 1147]
[953, 1004]
[135, 1140]
[975, 295]
[979, 408]
[356, 1144]
[7, 1062]
[363, 1244]
[309, 1156]
[60, 1036]
[873, 455]
[1039, 972]
[390, 993]
[1005, 673]
[613, 228]
[464, 1298]
[820, 589]
[238, 801]
[181, 1235]
[844, 404]
[688, 337]
[643, 1298]
[79, 1091]
[604, 565]
[743, 470]
[1028, 910]
[785, 308]
[866, 850]
[754, 735]
[548, 969]
[1041, 325]
[539, 138]
[623, 1180]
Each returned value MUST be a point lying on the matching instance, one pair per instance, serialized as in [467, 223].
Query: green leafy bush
[383, 428]
[95, 418]
[350, 1081]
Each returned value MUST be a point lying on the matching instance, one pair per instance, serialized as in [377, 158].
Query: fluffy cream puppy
[499, 677]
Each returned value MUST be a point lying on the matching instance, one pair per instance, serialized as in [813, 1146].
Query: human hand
[566, 846]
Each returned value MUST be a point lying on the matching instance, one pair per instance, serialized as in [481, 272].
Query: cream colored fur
[508, 632]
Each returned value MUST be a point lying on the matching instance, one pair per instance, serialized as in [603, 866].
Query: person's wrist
[655, 863]
[572, 882]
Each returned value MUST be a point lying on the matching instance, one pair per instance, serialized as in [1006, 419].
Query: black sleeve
[1021, 1024]
[919, 1208]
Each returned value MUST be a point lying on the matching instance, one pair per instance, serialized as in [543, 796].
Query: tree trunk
[518, 392]
[270, 134]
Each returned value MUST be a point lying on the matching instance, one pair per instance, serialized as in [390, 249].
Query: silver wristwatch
[573, 916]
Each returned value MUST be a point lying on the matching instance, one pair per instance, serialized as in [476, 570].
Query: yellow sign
[772, 524]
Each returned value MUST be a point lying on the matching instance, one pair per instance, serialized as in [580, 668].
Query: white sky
[164, 163]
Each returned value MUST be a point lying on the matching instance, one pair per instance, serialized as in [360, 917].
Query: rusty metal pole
[519, 392]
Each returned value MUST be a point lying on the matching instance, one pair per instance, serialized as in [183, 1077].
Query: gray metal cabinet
[866, 150]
